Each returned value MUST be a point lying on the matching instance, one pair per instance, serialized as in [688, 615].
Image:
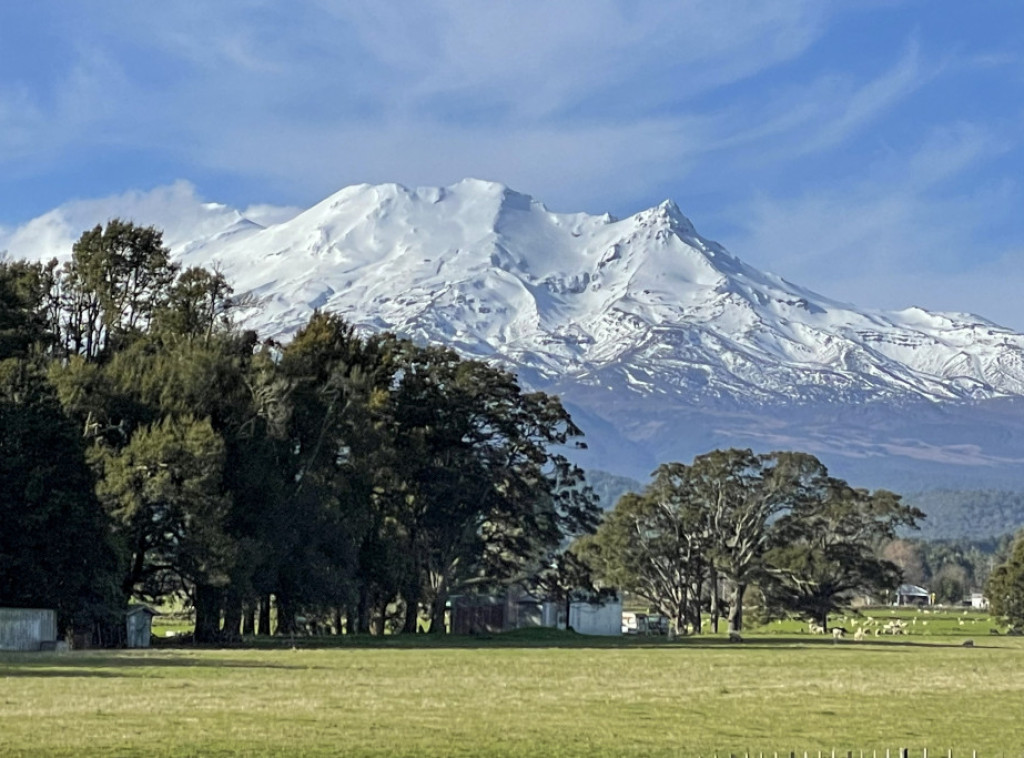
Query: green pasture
[528, 693]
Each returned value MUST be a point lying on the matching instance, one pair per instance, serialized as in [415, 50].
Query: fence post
[904, 753]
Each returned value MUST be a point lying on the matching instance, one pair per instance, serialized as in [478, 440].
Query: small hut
[138, 621]
[27, 628]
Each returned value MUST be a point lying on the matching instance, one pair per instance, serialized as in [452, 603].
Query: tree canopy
[338, 475]
[733, 519]
[1005, 589]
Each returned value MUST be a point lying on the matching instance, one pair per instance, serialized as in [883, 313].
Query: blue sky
[869, 150]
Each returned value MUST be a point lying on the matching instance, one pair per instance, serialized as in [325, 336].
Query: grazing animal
[968, 643]
[735, 637]
[859, 634]
[815, 628]
[837, 633]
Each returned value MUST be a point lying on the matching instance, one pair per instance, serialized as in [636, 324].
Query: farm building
[978, 601]
[911, 594]
[138, 624]
[603, 619]
[27, 628]
[477, 614]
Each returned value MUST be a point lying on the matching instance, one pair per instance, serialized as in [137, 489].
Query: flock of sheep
[871, 625]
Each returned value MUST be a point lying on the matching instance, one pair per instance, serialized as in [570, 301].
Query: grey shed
[139, 625]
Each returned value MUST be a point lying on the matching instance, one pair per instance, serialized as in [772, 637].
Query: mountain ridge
[665, 341]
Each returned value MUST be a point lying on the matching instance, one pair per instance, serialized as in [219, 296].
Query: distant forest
[975, 515]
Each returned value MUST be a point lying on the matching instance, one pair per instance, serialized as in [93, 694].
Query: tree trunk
[411, 596]
[208, 601]
[378, 616]
[736, 610]
[263, 622]
[365, 608]
[351, 615]
[437, 608]
[716, 605]
[249, 620]
[285, 615]
[232, 616]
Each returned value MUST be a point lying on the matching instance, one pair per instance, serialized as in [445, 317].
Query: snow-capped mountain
[643, 304]
[662, 342]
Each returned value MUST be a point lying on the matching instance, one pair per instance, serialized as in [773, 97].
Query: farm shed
[27, 628]
[911, 594]
[603, 619]
[138, 623]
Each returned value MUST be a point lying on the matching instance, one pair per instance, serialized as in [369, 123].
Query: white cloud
[323, 77]
[176, 209]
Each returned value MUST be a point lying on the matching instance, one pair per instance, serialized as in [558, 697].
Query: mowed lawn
[547, 695]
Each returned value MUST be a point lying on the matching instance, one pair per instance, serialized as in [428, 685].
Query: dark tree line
[148, 448]
[700, 537]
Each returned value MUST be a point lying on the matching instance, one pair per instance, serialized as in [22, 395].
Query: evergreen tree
[827, 549]
[1005, 589]
[55, 550]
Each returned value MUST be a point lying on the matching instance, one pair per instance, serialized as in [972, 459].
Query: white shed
[603, 619]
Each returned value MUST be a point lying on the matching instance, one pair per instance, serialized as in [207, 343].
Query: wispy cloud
[900, 234]
[359, 84]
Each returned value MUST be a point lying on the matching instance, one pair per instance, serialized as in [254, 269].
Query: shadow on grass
[526, 639]
[107, 664]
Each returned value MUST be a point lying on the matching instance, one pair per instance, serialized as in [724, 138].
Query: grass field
[535, 693]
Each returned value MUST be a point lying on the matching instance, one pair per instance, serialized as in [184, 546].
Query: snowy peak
[643, 304]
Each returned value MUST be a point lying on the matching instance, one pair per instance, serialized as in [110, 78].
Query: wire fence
[902, 752]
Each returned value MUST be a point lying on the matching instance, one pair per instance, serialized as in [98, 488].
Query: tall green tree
[647, 546]
[164, 490]
[23, 326]
[827, 549]
[55, 547]
[1005, 588]
[488, 490]
[743, 494]
[118, 277]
